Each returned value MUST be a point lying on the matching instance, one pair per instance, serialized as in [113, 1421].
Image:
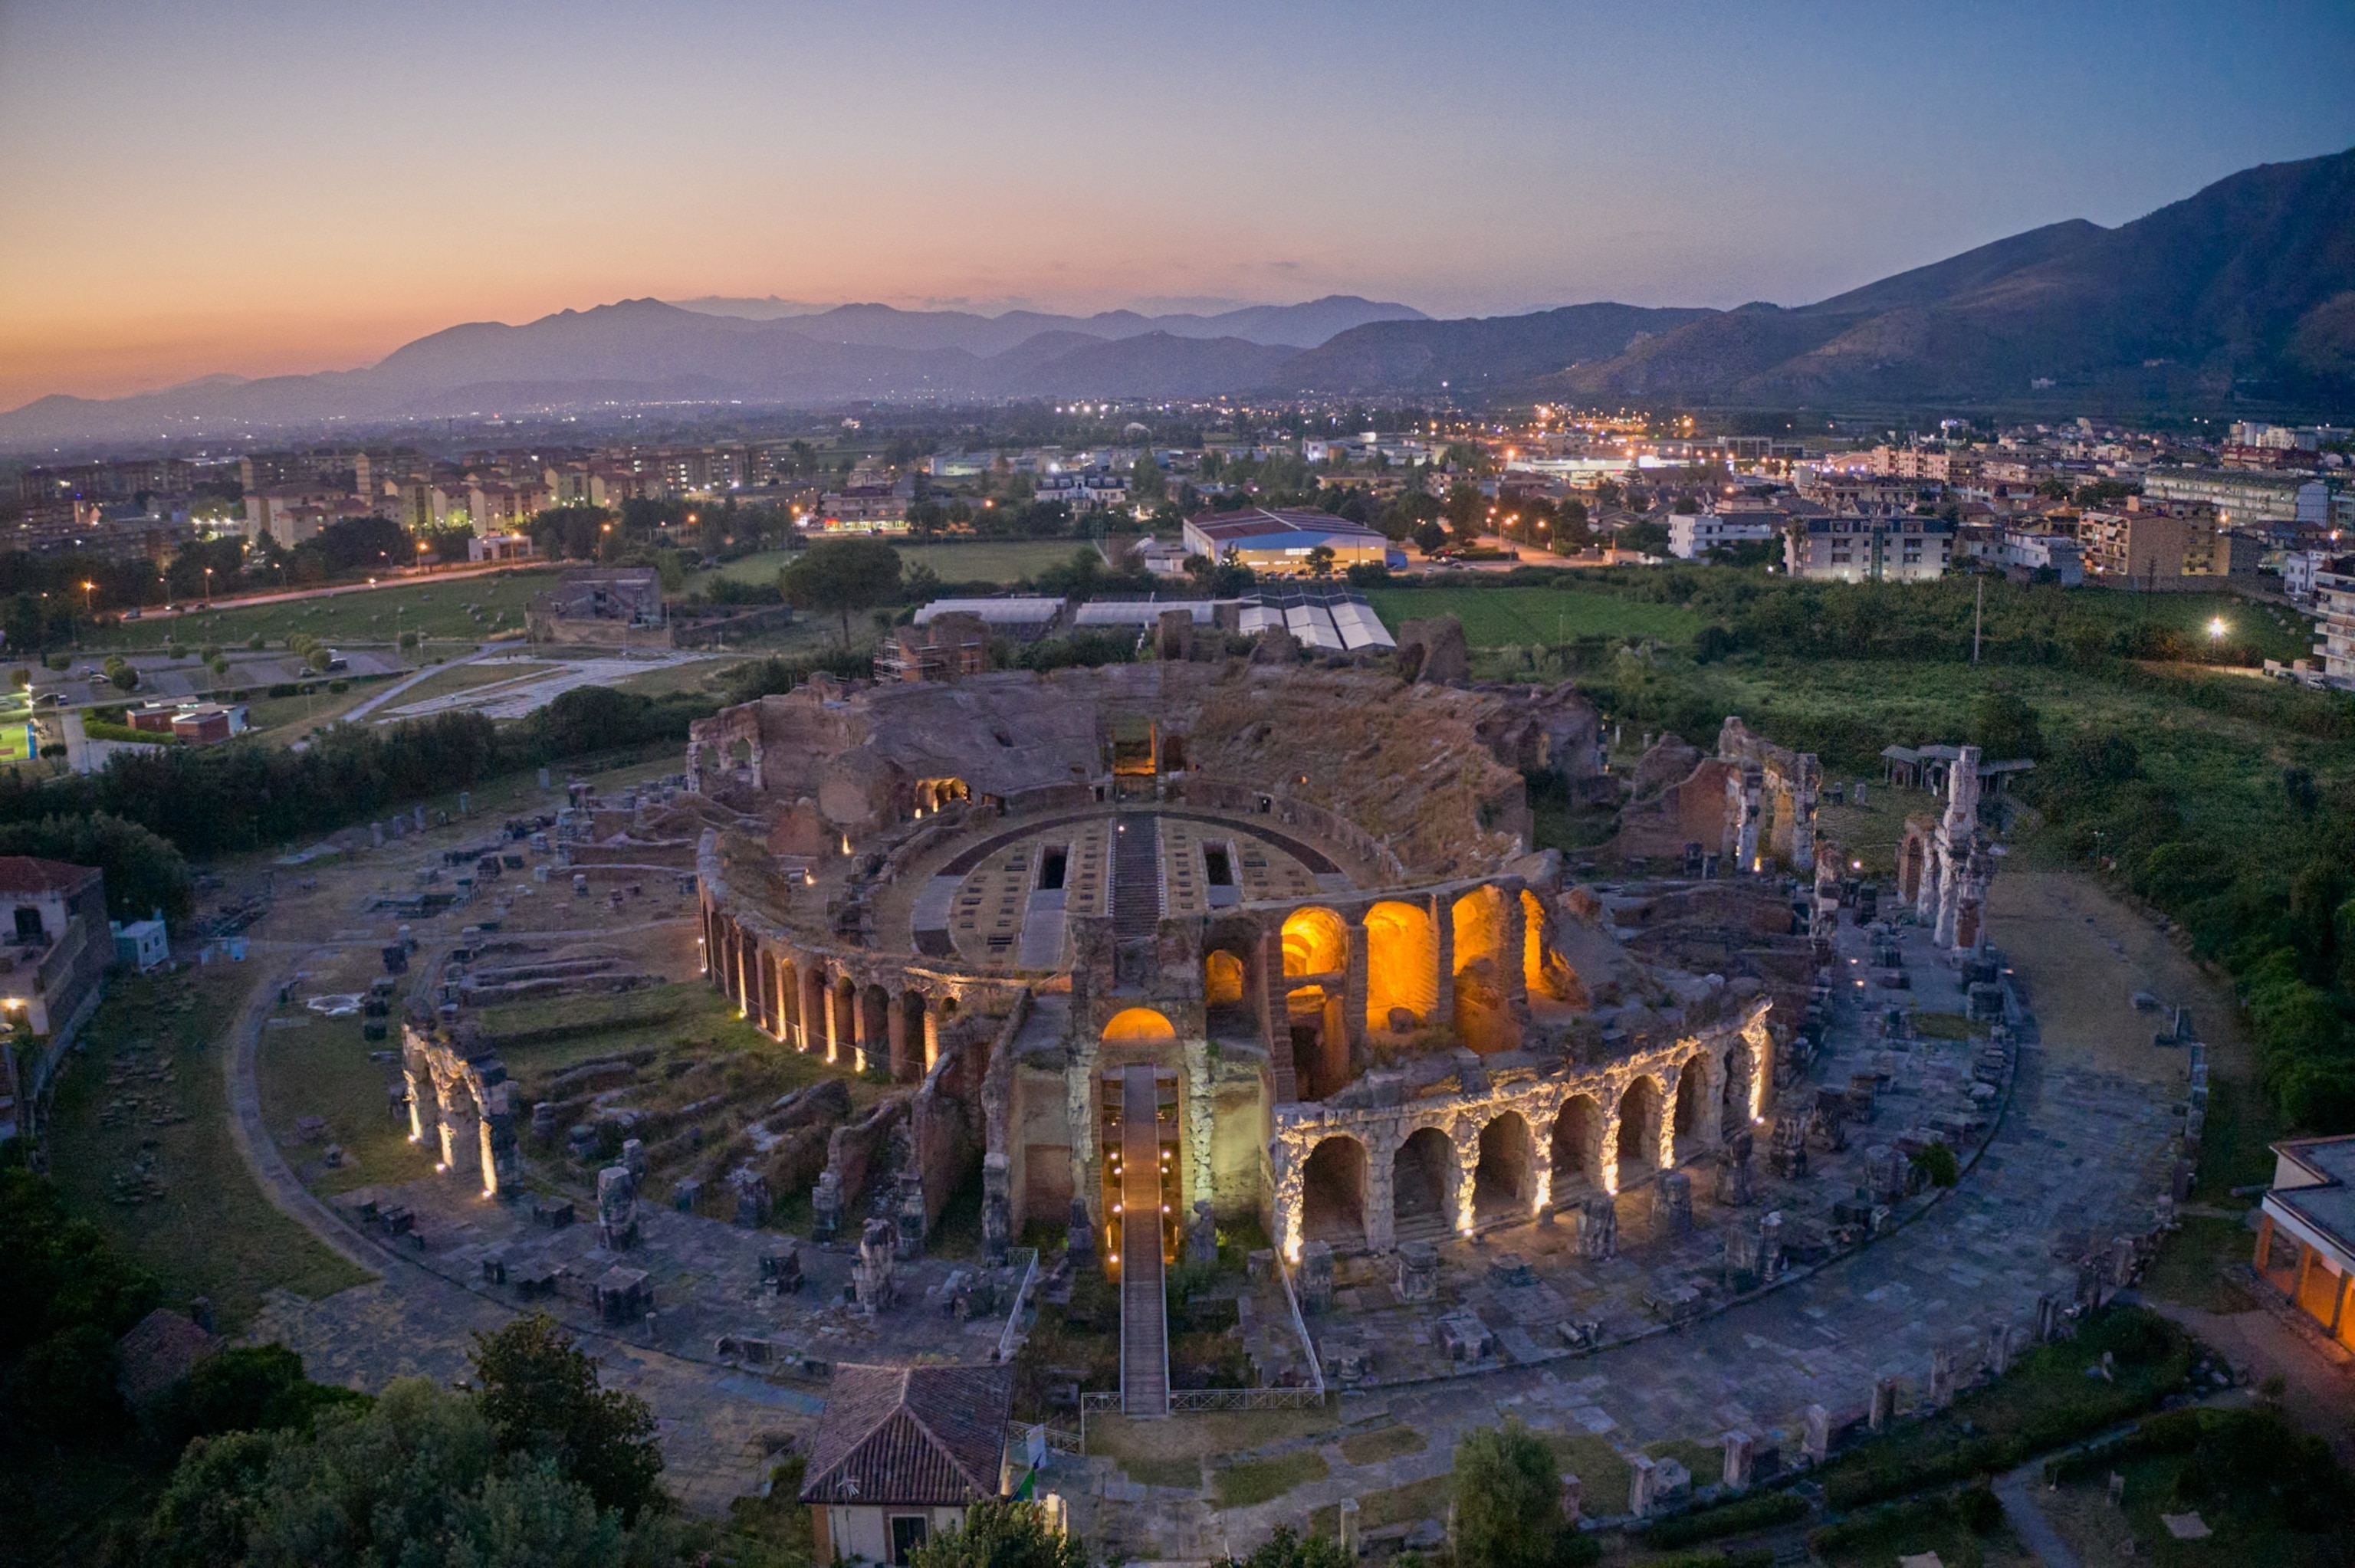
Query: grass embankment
[311, 1065]
[140, 1144]
[1000, 561]
[447, 609]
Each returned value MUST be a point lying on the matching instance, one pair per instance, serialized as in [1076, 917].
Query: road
[248, 602]
[356, 713]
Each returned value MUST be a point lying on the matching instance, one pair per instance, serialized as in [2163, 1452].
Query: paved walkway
[2016, 1492]
[361, 710]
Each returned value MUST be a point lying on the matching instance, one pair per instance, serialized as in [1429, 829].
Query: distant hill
[2242, 291]
[2241, 294]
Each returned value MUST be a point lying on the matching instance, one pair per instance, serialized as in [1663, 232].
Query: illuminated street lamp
[2216, 629]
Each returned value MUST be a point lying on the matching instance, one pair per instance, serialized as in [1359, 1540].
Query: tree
[2004, 727]
[1008, 1534]
[1320, 561]
[144, 871]
[1286, 1550]
[1146, 480]
[1430, 539]
[842, 574]
[1508, 1502]
[1465, 505]
[541, 1395]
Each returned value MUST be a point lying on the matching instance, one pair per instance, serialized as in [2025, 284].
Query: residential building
[2156, 549]
[2022, 552]
[1162, 558]
[292, 513]
[1879, 548]
[2245, 497]
[2300, 567]
[56, 946]
[2334, 603]
[2305, 1233]
[1280, 542]
[618, 606]
[898, 1455]
[1698, 532]
[868, 507]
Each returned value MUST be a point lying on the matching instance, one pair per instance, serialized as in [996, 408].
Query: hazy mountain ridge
[2244, 290]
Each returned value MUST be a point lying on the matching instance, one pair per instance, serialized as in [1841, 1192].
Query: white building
[1856, 548]
[1702, 532]
[2334, 603]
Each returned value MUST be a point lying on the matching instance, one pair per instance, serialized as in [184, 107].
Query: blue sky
[260, 187]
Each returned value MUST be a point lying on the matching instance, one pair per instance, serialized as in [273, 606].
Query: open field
[444, 610]
[1000, 561]
[141, 1145]
[1534, 617]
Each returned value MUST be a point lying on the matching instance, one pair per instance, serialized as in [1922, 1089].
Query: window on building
[28, 923]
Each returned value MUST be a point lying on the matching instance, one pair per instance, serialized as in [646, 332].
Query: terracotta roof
[930, 1436]
[23, 874]
[161, 1348]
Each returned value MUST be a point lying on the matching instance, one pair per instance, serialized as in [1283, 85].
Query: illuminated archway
[1503, 1182]
[1222, 980]
[1139, 1026]
[1401, 966]
[1543, 974]
[1333, 1192]
[1423, 1185]
[1577, 1148]
[1315, 942]
[1639, 1129]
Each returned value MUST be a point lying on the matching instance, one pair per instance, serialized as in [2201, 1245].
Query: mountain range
[2241, 294]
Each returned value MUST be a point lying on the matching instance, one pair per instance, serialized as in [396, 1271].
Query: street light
[2216, 628]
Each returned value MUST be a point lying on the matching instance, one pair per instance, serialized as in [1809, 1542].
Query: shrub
[1980, 1510]
[1938, 1164]
[285, 689]
[1759, 1512]
[339, 687]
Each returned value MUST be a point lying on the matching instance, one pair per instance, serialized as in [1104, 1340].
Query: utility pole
[1978, 615]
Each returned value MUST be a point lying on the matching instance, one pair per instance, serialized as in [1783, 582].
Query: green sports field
[1530, 617]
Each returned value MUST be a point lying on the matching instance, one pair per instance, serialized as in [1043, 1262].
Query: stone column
[812, 1030]
[1512, 959]
[1353, 989]
[1381, 1187]
[489, 1158]
[1540, 1163]
[895, 1030]
[1198, 1126]
[1465, 1137]
[1286, 1189]
[459, 1135]
[932, 1033]
[863, 1047]
[1709, 1127]
[1606, 1150]
[416, 1105]
[1442, 989]
[1950, 889]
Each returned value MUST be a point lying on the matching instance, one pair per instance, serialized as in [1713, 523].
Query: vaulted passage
[1402, 966]
[1504, 1184]
[1333, 1192]
[1577, 1149]
[1639, 1131]
[1423, 1187]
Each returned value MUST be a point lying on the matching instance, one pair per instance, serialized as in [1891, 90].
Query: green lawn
[1534, 617]
[140, 1144]
[444, 610]
[1001, 561]
[1259, 1480]
[320, 1067]
[1382, 1443]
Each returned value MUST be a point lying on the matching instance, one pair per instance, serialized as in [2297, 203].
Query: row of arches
[1439, 1180]
[807, 1002]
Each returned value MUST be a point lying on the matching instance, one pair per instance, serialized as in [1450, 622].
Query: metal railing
[1197, 1401]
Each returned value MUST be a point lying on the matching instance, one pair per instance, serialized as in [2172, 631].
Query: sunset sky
[260, 188]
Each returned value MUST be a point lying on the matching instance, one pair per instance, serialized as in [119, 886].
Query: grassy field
[980, 560]
[141, 1145]
[1257, 1480]
[1378, 1509]
[1532, 617]
[452, 609]
[320, 1067]
[1382, 1443]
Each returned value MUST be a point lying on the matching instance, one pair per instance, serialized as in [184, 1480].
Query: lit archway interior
[1402, 966]
[1577, 1149]
[1315, 942]
[1139, 1026]
[1693, 1092]
[1222, 980]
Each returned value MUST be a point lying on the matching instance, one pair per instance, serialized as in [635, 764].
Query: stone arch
[1577, 1146]
[1333, 1192]
[875, 1028]
[1139, 1026]
[1639, 1127]
[789, 1001]
[1484, 972]
[1505, 1181]
[1913, 863]
[912, 1058]
[1315, 942]
[1319, 1037]
[1692, 1099]
[1223, 977]
[1402, 964]
[1423, 1185]
[1543, 972]
[845, 1039]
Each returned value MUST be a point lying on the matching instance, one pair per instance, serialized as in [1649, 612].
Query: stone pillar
[1803, 814]
[1541, 1168]
[1598, 1227]
[864, 1047]
[1465, 1136]
[1275, 1013]
[1942, 1378]
[1573, 1498]
[1643, 1485]
[1729, 844]
[1925, 897]
[1739, 1454]
[895, 1029]
[1998, 1349]
[1950, 890]
[932, 1033]
[1381, 1189]
[1353, 989]
[1443, 988]
[1512, 956]
[416, 1105]
[1819, 1442]
[1349, 1528]
[1709, 1127]
[488, 1157]
[1197, 1127]
[812, 1026]
[1672, 1202]
[1884, 1403]
[459, 1135]
[1286, 1190]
